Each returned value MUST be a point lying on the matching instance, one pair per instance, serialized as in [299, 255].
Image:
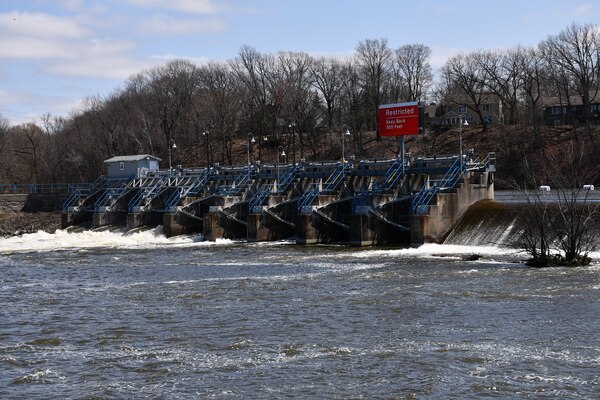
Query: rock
[15, 223]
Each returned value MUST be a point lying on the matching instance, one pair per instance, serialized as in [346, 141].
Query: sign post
[400, 119]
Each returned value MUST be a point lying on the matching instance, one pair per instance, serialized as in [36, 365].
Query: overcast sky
[54, 53]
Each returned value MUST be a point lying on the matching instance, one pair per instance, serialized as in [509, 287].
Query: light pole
[280, 153]
[345, 132]
[205, 134]
[250, 141]
[291, 127]
[172, 145]
[461, 121]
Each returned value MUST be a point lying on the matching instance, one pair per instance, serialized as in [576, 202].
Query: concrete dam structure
[359, 203]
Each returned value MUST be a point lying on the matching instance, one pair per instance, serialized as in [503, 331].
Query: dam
[403, 201]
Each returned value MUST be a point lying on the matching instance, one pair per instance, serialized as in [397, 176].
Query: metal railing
[259, 197]
[48, 188]
[107, 195]
[390, 179]
[288, 177]
[240, 184]
[331, 184]
[145, 193]
[75, 197]
[183, 191]
[424, 197]
[392, 175]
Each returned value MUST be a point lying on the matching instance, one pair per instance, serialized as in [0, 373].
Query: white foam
[437, 250]
[63, 240]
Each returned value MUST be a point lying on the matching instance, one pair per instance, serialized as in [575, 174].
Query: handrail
[144, 194]
[288, 177]
[331, 184]
[259, 197]
[75, 197]
[106, 196]
[448, 182]
[183, 191]
[48, 188]
[392, 175]
[241, 182]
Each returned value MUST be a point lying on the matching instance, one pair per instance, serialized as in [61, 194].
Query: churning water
[107, 315]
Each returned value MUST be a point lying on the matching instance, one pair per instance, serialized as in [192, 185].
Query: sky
[55, 53]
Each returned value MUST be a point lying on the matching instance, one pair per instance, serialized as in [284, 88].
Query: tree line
[294, 100]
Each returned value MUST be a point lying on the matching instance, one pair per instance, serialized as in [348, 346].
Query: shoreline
[16, 223]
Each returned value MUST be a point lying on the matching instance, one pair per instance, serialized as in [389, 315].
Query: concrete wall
[448, 209]
[45, 202]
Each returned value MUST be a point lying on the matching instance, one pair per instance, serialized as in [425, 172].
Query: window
[462, 108]
[486, 107]
[487, 119]
[122, 166]
[595, 108]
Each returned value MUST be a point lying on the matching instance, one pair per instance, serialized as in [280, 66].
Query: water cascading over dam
[500, 222]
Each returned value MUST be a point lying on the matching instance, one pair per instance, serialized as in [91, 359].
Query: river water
[105, 315]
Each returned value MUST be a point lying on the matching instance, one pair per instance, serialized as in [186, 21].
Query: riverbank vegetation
[562, 223]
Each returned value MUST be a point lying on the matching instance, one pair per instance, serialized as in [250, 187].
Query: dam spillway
[500, 222]
[360, 203]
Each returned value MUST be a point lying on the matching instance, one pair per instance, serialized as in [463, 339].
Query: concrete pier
[442, 215]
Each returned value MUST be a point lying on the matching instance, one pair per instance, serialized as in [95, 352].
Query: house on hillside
[449, 114]
[570, 111]
[131, 166]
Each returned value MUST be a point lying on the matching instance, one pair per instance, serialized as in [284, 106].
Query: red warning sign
[399, 119]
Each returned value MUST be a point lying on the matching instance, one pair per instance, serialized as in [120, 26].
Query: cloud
[174, 26]
[20, 107]
[64, 46]
[439, 55]
[196, 60]
[103, 59]
[583, 9]
[38, 36]
[187, 6]
[34, 48]
[39, 25]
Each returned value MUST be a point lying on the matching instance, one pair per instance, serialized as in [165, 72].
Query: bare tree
[171, 90]
[352, 110]
[373, 61]
[29, 147]
[569, 171]
[467, 80]
[217, 108]
[533, 79]
[255, 70]
[575, 54]
[5, 155]
[4, 129]
[298, 101]
[503, 78]
[327, 78]
[412, 63]
[561, 228]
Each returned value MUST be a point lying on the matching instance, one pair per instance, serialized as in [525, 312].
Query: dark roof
[137, 157]
[552, 101]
